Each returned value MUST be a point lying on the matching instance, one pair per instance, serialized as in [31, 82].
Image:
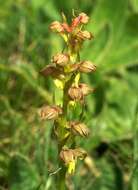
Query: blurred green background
[28, 154]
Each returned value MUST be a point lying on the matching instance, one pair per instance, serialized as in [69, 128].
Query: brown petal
[52, 71]
[70, 155]
[87, 67]
[75, 93]
[80, 153]
[84, 35]
[83, 18]
[74, 67]
[56, 27]
[50, 112]
[60, 59]
[66, 27]
[67, 155]
[79, 128]
[85, 89]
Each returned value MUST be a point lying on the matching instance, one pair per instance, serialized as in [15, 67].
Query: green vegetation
[28, 154]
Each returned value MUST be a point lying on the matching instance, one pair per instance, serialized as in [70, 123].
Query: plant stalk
[62, 173]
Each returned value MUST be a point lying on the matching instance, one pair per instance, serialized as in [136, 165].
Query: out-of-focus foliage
[27, 150]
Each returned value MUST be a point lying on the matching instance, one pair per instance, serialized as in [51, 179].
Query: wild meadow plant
[65, 70]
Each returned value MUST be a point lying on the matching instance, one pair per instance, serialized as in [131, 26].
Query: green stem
[61, 178]
[65, 94]
[62, 173]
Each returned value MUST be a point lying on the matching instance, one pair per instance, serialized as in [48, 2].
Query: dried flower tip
[60, 59]
[56, 27]
[83, 18]
[87, 67]
[75, 93]
[50, 112]
[84, 35]
[79, 128]
[85, 89]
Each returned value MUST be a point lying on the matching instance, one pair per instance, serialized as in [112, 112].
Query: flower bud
[87, 67]
[85, 89]
[83, 18]
[60, 59]
[56, 27]
[84, 35]
[79, 128]
[50, 112]
[75, 93]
